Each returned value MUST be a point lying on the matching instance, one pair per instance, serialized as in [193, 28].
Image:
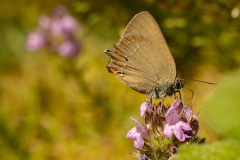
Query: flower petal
[178, 130]
[143, 157]
[168, 130]
[69, 23]
[68, 48]
[132, 134]
[174, 105]
[172, 117]
[139, 143]
[177, 106]
[36, 40]
[44, 22]
[189, 114]
[146, 107]
[184, 126]
[143, 109]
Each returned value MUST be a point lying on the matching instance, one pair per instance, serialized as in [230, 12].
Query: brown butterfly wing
[132, 62]
[145, 25]
[141, 58]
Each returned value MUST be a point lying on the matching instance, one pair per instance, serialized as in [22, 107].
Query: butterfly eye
[178, 84]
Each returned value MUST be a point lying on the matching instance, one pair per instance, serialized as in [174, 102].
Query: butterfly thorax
[168, 89]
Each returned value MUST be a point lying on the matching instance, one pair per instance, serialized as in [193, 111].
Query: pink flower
[56, 33]
[35, 41]
[62, 22]
[174, 125]
[44, 22]
[146, 107]
[68, 48]
[178, 130]
[189, 114]
[137, 134]
[69, 24]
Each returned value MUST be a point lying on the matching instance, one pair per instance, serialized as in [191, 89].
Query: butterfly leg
[175, 95]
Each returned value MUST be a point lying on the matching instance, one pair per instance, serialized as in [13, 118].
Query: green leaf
[228, 149]
[222, 110]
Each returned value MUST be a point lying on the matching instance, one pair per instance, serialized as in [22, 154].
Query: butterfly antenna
[192, 96]
[198, 81]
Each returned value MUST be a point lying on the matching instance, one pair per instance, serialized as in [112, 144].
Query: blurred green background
[71, 108]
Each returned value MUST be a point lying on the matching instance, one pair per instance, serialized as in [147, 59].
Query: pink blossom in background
[69, 24]
[35, 41]
[55, 33]
[68, 48]
[44, 22]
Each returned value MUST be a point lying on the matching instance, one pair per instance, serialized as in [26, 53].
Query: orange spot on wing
[111, 69]
[132, 40]
[117, 63]
[129, 42]
[118, 53]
